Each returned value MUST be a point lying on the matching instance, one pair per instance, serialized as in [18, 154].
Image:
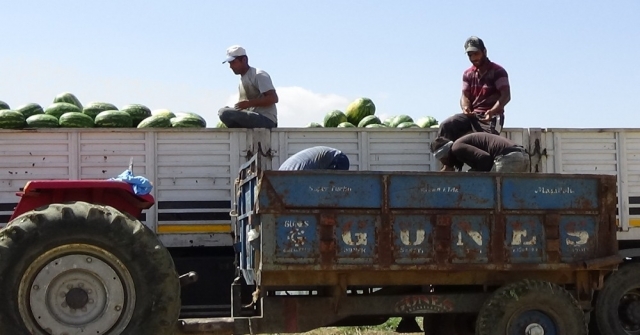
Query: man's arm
[465, 102]
[502, 84]
[268, 98]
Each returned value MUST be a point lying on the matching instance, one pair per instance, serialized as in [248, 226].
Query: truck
[191, 209]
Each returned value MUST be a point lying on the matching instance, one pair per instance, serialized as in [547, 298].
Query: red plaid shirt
[484, 90]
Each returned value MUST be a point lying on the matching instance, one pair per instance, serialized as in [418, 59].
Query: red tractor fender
[117, 194]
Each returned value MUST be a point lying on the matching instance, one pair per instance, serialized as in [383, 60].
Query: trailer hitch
[188, 278]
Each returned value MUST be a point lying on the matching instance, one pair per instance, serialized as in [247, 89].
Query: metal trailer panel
[309, 220]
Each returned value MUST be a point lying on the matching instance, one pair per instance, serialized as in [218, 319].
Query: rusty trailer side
[340, 242]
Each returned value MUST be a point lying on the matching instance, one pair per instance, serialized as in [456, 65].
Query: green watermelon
[358, 109]
[314, 125]
[203, 122]
[221, 125]
[11, 119]
[435, 126]
[426, 122]
[334, 118]
[155, 121]
[59, 108]
[94, 108]
[388, 121]
[367, 120]
[407, 125]
[68, 98]
[374, 125]
[75, 120]
[114, 119]
[346, 125]
[187, 121]
[42, 121]
[167, 113]
[30, 109]
[400, 119]
[138, 112]
[4, 105]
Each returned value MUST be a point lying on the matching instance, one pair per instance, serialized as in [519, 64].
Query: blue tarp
[141, 185]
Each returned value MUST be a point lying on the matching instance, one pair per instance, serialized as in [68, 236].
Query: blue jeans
[239, 118]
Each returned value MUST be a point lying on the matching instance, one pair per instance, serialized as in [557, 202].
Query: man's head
[475, 49]
[441, 148]
[237, 59]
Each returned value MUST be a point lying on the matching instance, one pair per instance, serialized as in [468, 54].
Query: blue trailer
[482, 253]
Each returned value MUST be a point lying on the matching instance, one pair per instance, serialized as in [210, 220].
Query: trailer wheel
[82, 268]
[618, 303]
[531, 307]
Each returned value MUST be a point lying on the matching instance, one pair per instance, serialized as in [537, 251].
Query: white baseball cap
[233, 52]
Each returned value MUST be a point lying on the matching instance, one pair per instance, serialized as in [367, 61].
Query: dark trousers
[240, 118]
[459, 125]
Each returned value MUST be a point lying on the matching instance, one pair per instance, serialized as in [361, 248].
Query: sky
[571, 64]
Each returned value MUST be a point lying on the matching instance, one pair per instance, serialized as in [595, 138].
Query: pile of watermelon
[66, 111]
[361, 114]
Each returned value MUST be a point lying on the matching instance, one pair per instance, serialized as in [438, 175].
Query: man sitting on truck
[317, 158]
[482, 152]
[485, 93]
[256, 106]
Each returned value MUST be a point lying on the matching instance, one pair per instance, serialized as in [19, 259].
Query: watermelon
[59, 108]
[169, 114]
[75, 120]
[30, 109]
[4, 105]
[407, 125]
[374, 125]
[314, 125]
[11, 119]
[334, 118]
[221, 125]
[138, 112]
[358, 109]
[400, 119]
[426, 122]
[187, 121]
[155, 121]
[435, 126]
[68, 98]
[42, 121]
[367, 120]
[388, 121]
[192, 115]
[114, 119]
[346, 125]
[94, 108]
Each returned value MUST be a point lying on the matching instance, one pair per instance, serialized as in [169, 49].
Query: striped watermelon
[94, 108]
[11, 119]
[138, 112]
[221, 125]
[75, 120]
[345, 125]
[334, 118]
[59, 108]
[314, 125]
[30, 109]
[369, 119]
[114, 119]
[374, 125]
[358, 109]
[42, 121]
[68, 98]
[4, 105]
[399, 119]
[167, 113]
[183, 120]
[155, 121]
[407, 125]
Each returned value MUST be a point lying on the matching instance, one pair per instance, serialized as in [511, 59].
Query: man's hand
[489, 114]
[243, 105]
[466, 110]
[447, 168]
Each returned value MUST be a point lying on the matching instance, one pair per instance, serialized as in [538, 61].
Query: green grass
[386, 328]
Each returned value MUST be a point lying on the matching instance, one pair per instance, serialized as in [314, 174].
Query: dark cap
[473, 43]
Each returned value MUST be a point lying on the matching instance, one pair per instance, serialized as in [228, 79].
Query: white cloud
[298, 106]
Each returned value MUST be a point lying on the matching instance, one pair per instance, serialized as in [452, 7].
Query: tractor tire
[531, 307]
[617, 309]
[83, 268]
